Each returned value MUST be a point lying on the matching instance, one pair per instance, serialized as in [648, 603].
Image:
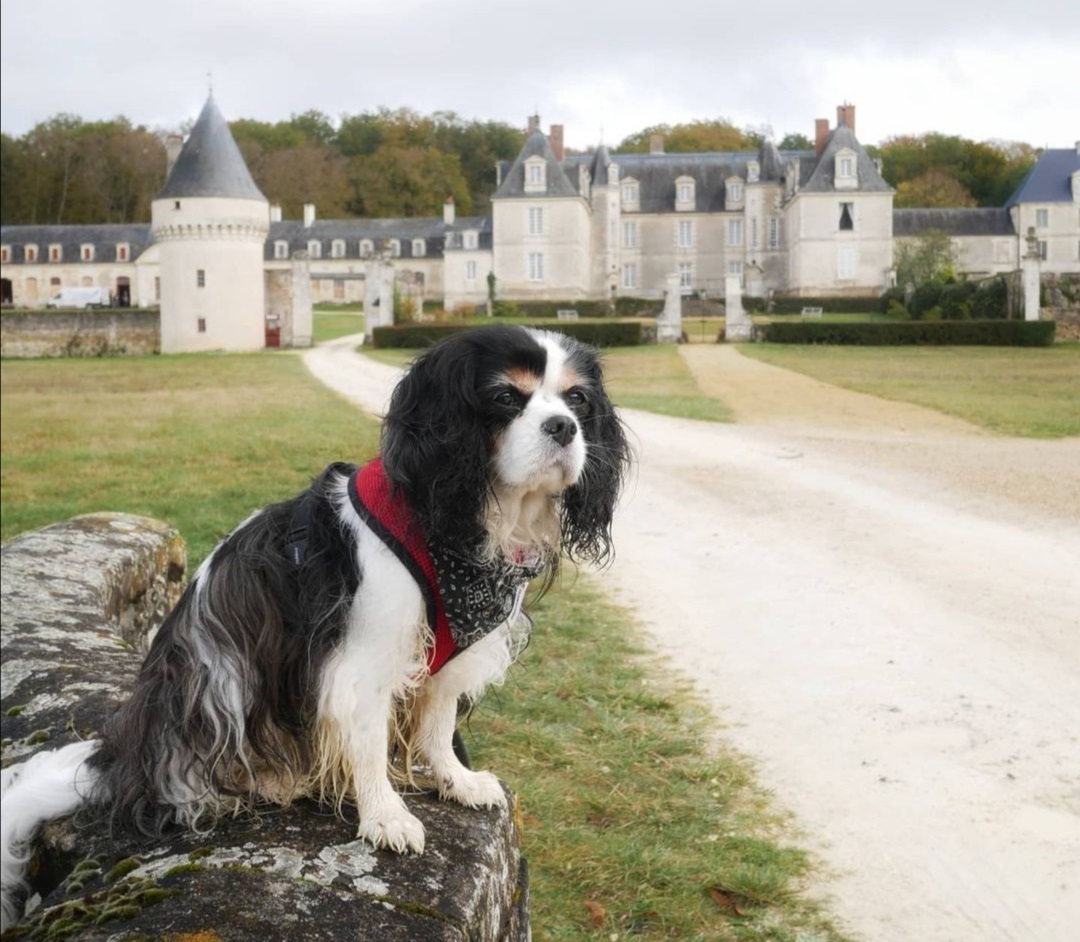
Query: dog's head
[507, 414]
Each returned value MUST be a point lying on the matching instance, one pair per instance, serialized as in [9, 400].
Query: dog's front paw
[396, 830]
[474, 790]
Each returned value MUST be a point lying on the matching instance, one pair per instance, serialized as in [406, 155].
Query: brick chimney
[533, 124]
[821, 131]
[555, 139]
[845, 114]
[656, 143]
[448, 211]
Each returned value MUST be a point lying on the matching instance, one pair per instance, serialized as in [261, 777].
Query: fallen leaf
[596, 912]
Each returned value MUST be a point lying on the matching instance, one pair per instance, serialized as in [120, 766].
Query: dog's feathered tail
[48, 785]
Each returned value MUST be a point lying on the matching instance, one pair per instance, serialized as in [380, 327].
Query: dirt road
[902, 660]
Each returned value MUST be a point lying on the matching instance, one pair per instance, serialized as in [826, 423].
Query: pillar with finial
[1030, 266]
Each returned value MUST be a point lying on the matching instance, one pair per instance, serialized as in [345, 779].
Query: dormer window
[5, 253]
[419, 248]
[86, 253]
[631, 194]
[337, 248]
[314, 248]
[469, 239]
[684, 194]
[753, 172]
[736, 192]
[56, 253]
[367, 248]
[123, 251]
[395, 248]
[845, 170]
[281, 249]
[535, 175]
[30, 253]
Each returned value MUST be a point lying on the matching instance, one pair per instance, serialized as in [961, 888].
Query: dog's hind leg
[380, 659]
[466, 675]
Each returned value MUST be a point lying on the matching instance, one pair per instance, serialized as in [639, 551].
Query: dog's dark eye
[576, 398]
[507, 398]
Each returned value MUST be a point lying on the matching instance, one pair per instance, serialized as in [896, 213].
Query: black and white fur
[270, 681]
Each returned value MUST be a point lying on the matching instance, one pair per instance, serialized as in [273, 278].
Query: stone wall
[79, 600]
[134, 332]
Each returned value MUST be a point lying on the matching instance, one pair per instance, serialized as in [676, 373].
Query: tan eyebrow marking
[569, 379]
[523, 380]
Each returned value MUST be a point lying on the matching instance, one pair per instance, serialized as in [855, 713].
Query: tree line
[402, 163]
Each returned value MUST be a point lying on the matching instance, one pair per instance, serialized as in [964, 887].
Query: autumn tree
[933, 188]
[926, 259]
[407, 181]
[718, 134]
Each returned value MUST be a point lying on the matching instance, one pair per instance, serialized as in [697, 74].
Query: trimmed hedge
[606, 334]
[995, 333]
[551, 308]
[839, 305]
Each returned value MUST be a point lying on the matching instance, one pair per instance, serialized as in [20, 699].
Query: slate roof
[513, 179]
[772, 163]
[958, 222]
[599, 169]
[821, 178]
[432, 229]
[104, 237]
[1050, 180]
[210, 163]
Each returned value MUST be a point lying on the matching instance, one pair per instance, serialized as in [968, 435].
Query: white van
[80, 298]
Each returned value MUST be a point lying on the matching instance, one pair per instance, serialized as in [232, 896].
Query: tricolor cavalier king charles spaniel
[329, 640]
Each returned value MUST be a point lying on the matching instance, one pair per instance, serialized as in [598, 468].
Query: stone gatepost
[669, 323]
[737, 323]
[1030, 269]
[297, 326]
[378, 295]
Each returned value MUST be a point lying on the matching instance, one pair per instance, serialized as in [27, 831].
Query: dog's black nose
[560, 427]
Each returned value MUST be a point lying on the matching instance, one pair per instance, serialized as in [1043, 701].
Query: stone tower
[210, 223]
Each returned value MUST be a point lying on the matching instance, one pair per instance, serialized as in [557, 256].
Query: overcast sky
[986, 69]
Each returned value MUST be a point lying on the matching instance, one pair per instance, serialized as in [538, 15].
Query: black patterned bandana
[478, 597]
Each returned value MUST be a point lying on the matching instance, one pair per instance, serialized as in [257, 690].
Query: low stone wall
[78, 602]
[134, 332]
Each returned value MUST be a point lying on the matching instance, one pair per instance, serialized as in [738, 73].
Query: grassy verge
[1030, 392]
[329, 325]
[653, 378]
[635, 823]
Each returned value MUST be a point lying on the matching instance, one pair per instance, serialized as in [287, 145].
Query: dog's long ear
[434, 445]
[588, 506]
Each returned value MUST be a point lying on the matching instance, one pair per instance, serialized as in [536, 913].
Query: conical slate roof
[210, 163]
[514, 182]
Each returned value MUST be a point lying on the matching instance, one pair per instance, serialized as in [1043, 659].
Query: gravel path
[902, 660]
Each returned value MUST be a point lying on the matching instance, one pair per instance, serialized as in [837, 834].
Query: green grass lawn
[1014, 390]
[652, 377]
[635, 822]
[329, 325]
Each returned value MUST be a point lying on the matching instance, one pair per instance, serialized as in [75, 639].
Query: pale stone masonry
[577, 227]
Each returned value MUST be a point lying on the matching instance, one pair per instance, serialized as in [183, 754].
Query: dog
[331, 638]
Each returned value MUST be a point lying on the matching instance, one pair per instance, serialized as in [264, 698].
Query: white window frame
[685, 194]
[470, 270]
[1043, 249]
[686, 277]
[1042, 218]
[735, 231]
[367, 248]
[535, 170]
[735, 267]
[30, 253]
[314, 248]
[535, 266]
[86, 252]
[56, 252]
[629, 234]
[851, 214]
[123, 252]
[5, 253]
[281, 249]
[629, 193]
[419, 248]
[774, 232]
[470, 239]
[534, 221]
[337, 248]
[394, 245]
[200, 277]
[629, 275]
[684, 233]
[845, 170]
[736, 192]
[847, 262]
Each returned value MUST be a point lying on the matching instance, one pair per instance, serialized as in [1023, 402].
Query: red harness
[393, 521]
